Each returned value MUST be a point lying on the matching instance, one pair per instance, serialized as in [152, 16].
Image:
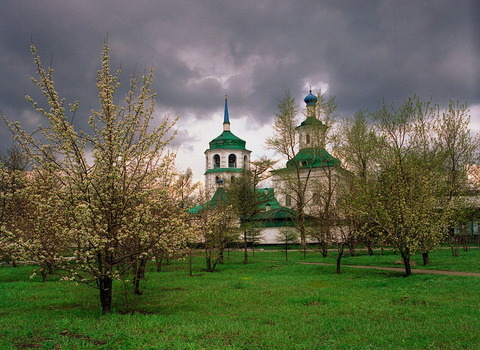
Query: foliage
[110, 178]
[402, 197]
[217, 227]
[294, 181]
[39, 223]
[12, 181]
[245, 202]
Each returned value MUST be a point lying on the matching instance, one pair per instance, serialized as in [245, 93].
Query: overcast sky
[254, 51]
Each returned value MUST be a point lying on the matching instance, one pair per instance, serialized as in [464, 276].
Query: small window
[288, 201]
[216, 161]
[232, 161]
[218, 180]
[303, 163]
[245, 162]
[307, 139]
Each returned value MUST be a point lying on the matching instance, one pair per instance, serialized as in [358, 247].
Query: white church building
[227, 157]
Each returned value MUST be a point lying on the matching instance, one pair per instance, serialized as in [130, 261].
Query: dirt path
[401, 269]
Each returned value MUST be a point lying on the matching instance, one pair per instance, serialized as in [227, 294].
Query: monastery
[227, 157]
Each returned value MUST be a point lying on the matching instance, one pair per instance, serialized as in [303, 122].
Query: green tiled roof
[313, 158]
[311, 121]
[219, 196]
[272, 214]
[227, 140]
[224, 170]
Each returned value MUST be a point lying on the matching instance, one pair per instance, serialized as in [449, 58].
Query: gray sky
[253, 50]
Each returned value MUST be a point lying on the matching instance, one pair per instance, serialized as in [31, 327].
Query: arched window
[216, 161]
[232, 161]
[232, 179]
[303, 163]
[218, 180]
[307, 139]
[245, 162]
[288, 201]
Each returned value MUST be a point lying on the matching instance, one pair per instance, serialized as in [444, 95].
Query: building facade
[226, 157]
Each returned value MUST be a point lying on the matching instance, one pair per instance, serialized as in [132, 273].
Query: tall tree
[111, 198]
[245, 202]
[460, 149]
[296, 178]
[358, 147]
[403, 199]
[217, 224]
[12, 207]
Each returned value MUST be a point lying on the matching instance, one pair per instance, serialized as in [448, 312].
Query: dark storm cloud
[254, 51]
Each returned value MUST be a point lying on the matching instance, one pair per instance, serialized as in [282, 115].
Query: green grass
[267, 304]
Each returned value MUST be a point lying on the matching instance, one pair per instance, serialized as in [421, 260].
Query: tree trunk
[43, 273]
[303, 239]
[139, 274]
[426, 258]
[339, 257]
[221, 258]
[105, 287]
[324, 249]
[209, 263]
[245, 255]
[190, 264]
[455, 252]
[159, 264]
[406, 261]
[465, 245]
[208, 259]
[351, 248]
[370, 249]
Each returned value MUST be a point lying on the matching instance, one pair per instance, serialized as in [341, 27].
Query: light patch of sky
[475, 118]
[320, 86]
[204, 131]
[216, 66]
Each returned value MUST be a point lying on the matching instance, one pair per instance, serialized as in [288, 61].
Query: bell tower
[226, 157]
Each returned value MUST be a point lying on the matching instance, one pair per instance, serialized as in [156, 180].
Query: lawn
[267, 304]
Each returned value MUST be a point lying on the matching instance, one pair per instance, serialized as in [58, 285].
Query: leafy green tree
[331, 220]
[109, 176]
[39, 225]
[403, 199]
[358, 147]
[295, 180]
[460, 150]
[217, 225]
[12, 181]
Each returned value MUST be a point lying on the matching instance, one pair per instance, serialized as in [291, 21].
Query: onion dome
[311, 99]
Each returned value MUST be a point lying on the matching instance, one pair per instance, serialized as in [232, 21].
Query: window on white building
[216, 161]
[232, 161]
